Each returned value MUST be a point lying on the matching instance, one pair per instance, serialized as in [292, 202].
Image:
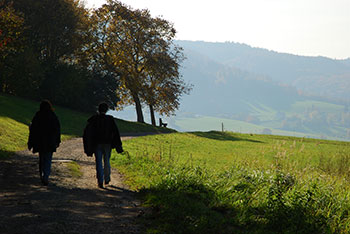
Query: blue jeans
[45, 159]
[103, 151]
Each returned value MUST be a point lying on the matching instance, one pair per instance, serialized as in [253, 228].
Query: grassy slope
[16, 114]
[240, 183]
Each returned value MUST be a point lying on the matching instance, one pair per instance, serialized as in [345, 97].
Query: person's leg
[99, 167]
[107, 165]
[46, 166]
[41, 166]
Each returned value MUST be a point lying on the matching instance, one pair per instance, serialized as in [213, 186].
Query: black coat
[44, 132]
[101, 129]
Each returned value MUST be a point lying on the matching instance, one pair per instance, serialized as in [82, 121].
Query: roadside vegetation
[239, 183]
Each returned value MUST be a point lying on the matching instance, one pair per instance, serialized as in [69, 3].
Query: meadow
[207, 123]
[239, 183]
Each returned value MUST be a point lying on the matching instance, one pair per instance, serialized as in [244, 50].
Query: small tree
[164, 85]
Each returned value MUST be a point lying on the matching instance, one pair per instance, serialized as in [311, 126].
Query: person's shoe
[100, 185]
[45, 182]
[107, 182]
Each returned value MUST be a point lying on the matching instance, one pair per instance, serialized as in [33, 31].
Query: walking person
[45, 138]
[101, 135]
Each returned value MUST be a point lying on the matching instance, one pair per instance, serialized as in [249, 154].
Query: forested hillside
[318, 76]
[235, 82]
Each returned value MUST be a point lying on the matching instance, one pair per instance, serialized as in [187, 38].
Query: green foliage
[45, 65]
[220, 182]
[77, 57]
[76, 88]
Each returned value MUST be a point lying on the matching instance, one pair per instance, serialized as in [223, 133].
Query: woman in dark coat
[44, 137]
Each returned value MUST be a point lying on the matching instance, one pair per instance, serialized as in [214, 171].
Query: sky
[300, 27]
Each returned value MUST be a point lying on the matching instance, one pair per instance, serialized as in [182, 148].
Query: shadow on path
[61, 207]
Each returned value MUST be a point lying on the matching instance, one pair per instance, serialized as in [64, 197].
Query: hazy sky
[302, 27]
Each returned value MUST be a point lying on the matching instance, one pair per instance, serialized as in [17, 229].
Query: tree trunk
[152, 115]
[138, 109]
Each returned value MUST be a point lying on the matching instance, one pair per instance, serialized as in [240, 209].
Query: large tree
[125, 41]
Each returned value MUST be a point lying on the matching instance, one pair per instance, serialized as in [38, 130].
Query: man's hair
[46, 105]
[103, 107]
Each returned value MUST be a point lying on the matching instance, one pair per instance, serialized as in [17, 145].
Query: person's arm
[32, 133]
[117, 143]
[58, 131]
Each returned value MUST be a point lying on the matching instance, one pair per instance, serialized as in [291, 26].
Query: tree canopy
[78, 57]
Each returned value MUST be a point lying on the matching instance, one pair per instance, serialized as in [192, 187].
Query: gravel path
[70, 204]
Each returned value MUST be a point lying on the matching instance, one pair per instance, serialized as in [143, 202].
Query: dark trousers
[45, 159]
[103, 170]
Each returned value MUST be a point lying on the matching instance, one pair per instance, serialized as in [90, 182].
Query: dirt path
[70, 204]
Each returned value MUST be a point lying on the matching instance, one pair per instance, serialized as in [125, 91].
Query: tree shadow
[222, 136]
[4, 154]
[29, 207]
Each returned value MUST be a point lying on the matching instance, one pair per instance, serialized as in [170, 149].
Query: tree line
[77, 57]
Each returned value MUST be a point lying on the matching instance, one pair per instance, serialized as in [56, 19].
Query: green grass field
[240, 183]
[217, 182]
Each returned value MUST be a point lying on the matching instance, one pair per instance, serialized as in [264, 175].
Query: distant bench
[161, 123]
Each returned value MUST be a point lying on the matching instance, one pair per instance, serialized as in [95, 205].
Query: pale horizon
[304, 28]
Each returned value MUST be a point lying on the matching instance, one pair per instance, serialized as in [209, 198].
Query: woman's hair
[103, 108]
[46, 105]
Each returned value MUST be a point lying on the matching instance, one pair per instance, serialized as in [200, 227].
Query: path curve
[70, 204]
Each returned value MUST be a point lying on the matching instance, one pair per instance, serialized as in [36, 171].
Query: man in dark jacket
[44, 137]
[101, 135]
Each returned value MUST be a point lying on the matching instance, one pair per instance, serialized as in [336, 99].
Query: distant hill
[227, 90]
[318, 76]
[285, 93]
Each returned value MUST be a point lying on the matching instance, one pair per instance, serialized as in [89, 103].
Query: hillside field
[17, 113]
[240, 183]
